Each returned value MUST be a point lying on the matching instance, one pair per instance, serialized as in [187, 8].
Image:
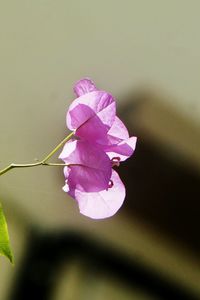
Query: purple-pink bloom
[92, 114]
[89, 167]
[115, 140]
[103, 141]
[90, 180]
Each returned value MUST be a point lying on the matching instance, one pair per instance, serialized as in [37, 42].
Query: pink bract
[92, 115]
[113, 139]
[89, 167]
[105, 203]
[119, 143]
[103, 141]
[84, 86]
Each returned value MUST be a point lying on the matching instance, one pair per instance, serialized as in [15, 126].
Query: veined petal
[118, 131]
[84, 86]
[93, 130]
[87, 179]
[96, 104]
[89, 167]
[103, 204]
[123, 150]
[118, 143]
[79, 152]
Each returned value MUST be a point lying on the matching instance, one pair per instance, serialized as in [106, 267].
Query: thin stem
[12, 166]
[43, 162]
[54, 164]
[58, 147]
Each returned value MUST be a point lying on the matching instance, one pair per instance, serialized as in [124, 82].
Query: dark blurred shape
[163, 178]
[39, 272]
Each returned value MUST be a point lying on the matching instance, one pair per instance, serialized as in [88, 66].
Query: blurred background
[147, 54]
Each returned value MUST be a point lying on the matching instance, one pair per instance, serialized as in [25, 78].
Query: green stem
[43, 162]
[58, 147]
[54, 164]
[12, 166]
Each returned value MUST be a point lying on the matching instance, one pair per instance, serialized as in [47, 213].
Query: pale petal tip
[84, 86]
[66, 188]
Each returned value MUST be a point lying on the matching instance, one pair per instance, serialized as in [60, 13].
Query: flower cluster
[101, 142]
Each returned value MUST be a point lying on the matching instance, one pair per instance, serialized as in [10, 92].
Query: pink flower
[103, 142]
[115, 140]
[91, 181]
[92, 114]
[89, 167]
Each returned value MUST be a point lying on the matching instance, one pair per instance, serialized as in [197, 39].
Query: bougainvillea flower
[90, 180]
[103, 141]
[115, 141]
[92, 114]
[89, 168]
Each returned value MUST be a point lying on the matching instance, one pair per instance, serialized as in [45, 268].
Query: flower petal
[89, 167]
[103, 204]
[118, 131]
[123, 150]
[118, 143]
[84, 86]
[68, 153]
[89, 106]
[87, 179]
[93, 130]
[66, 174]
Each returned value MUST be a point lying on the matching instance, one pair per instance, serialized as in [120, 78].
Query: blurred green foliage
[5, 248]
